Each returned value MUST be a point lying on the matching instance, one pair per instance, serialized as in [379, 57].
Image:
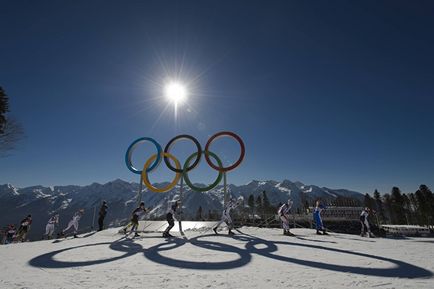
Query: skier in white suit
[366, 229]
[74, 222]
[49, 228]
[283, 213]
[226, 217]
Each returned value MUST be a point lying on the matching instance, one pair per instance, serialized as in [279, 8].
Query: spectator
[102, 213]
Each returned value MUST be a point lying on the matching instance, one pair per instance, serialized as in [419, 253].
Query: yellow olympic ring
[145, 174]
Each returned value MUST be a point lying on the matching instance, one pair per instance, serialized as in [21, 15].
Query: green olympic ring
[187, 179]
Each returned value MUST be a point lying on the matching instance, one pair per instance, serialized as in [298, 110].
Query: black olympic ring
[172, 142]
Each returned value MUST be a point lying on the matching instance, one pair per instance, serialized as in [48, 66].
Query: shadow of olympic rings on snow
[253, 245]
[400, 270]
[48, 261]
[154, 255]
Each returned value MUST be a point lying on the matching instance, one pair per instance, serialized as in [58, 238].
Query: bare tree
[4, 108]
[12, 133]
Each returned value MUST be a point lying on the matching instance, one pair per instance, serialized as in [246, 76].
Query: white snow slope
[258, 258]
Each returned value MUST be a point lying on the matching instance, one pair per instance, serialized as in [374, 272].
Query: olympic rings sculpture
[182, 171]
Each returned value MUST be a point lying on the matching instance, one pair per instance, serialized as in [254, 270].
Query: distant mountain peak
[299, 184]
[8, 189]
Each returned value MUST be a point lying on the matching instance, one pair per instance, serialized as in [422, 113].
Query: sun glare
[176, 92]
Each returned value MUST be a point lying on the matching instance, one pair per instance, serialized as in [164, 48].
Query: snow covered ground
[257, 258]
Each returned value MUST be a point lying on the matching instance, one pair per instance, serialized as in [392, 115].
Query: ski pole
[93, 219]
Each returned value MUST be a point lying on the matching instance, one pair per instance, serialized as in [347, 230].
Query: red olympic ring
[234, 165]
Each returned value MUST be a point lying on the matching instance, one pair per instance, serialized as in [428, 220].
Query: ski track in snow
[259, 258]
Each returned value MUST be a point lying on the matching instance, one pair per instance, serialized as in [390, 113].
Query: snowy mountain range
[121, 196]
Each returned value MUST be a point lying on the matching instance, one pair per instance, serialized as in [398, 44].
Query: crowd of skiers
[11, 234]
[283, 213]
[171, 218]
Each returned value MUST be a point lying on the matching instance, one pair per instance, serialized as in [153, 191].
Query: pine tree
[398, 206]
[266, 203]
[409, 217]
[388, 209]
[415, 209]
[429, 196]
[379, 206]
[368, 201]
[425, 200]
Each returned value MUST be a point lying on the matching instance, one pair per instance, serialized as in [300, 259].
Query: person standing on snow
[366, 230]
[135, 216]
[226, 217]
[170, 217]
[317, 217]
[102, 213]
[49, 228]
[24, 228]
[283, 213]
[74, 222]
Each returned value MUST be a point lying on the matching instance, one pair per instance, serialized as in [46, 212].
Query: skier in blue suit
[317, 217]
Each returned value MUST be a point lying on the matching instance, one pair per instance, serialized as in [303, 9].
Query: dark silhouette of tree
[398, 206]
[11, 130]
[12, 133]
[388, 208]
[425, 204]
[199, 214]
[4, 108]
[414, 207]
[267, 208]
[251, 204]
[379, 207]
[369, 202]
[406, 204]
[259, 206]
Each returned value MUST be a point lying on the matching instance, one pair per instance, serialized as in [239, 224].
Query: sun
[176, 92]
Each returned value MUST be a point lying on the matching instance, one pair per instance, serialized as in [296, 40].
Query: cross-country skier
[317, 217]
[226, 217]
[49, 228]
[283, 213]
[74, 222]
[24, 228]
[366, 230]
[135, 216]
[10, 234]
[170, 217]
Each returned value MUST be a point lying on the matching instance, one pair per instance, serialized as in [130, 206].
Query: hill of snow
[254, 258]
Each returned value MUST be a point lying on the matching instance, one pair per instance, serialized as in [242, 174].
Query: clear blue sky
[333, 93]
